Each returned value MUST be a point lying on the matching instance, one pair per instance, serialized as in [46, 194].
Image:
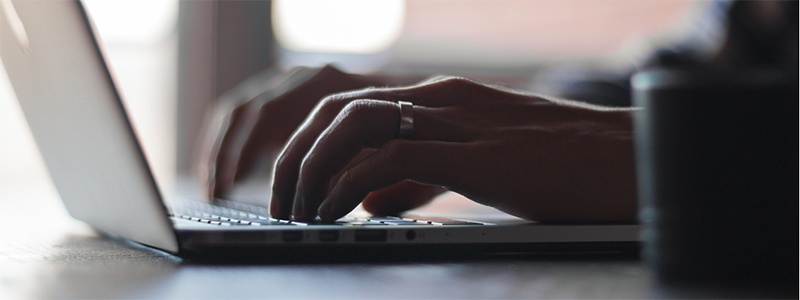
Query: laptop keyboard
[229, 213]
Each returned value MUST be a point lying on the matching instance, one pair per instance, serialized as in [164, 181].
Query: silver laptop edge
[70, 102]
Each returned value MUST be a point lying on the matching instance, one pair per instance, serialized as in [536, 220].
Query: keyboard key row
[225, 216]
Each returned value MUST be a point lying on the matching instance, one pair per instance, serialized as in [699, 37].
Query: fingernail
[219, 187]
[325, 209]
[297, 212]
[328, 205]
[297, 209]
[211, 190]
[274, 207]
[217, 190]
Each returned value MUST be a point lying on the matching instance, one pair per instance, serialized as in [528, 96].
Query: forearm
[608, 189]
[595, 180]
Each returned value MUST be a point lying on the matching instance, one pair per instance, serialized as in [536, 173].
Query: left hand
[256, 130]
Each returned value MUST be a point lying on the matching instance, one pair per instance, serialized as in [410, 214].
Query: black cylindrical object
[716, 152]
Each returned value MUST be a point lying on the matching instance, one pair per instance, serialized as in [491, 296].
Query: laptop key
[404, 222]
[389, 220]
[226, 221]
[442, 221]
[364, 224]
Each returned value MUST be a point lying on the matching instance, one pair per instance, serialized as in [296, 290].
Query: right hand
[533, 157]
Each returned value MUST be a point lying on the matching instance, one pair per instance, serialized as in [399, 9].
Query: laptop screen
[75, 113]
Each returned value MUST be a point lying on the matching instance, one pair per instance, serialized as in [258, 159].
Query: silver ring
[406, 120]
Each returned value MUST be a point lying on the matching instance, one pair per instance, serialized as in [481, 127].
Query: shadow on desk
[59, 257]
[64, 258]
[90, 266]
[95, 267]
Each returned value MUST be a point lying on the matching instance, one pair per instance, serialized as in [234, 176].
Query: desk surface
[57, 256]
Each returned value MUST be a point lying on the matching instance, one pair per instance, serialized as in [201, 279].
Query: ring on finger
[406, 120]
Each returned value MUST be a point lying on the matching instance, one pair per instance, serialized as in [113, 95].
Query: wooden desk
[58, 257]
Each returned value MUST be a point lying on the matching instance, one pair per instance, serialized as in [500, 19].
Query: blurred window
[466, 33]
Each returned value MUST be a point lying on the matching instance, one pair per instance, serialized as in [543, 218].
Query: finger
[272, 129]
[401, 197]
[286, 169]
[287, 166]
[439, 91]
[362, 124]
[428, 162]
[213, 129]
[280, 117]
[224, 157]
[236, 126]
[438, 94]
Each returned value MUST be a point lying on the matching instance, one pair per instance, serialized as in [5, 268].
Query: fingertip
[219, 188]
[298, 211]
[332, 213]
[399, 198]
[216, 191]
[329, 210]
[274, 207]
[279, 206]
[324, 211]
[210, 187]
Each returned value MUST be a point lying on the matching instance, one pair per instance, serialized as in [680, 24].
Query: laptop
[51, 53]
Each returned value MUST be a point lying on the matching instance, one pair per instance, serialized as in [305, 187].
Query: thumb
[404, 196]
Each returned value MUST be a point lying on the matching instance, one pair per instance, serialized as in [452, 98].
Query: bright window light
[133, 21]
[343, 26]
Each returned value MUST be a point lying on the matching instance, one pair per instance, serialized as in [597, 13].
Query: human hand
[253, 132]
[537, 158]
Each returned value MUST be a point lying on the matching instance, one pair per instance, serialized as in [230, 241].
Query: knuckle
[395, 153]
[332, 100]
[306, 164]
[456, 81]
[331, 104]
[446, 86]
[357, 111]
[347, 178]
[268, 112]
[239, 112]
[435, 78]
[281, 161]
[307, 175]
